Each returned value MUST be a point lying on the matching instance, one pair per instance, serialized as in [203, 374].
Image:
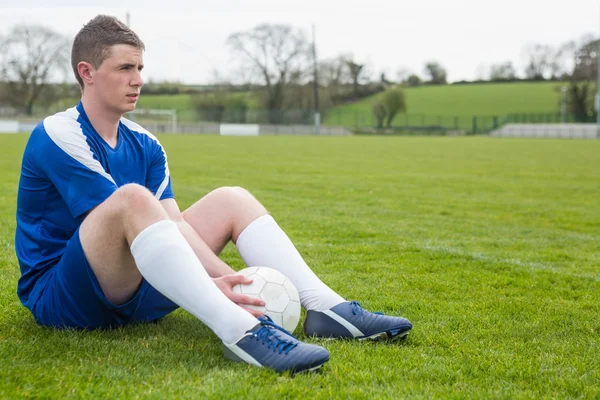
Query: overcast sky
[186, 40]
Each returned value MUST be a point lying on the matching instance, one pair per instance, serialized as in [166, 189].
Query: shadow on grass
[176, 341]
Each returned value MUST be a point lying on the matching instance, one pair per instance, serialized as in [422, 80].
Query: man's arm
[213, 264]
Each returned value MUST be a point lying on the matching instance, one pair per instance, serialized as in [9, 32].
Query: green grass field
[490, 247]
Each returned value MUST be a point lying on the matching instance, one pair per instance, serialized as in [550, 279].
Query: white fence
[565, 131]
[244, 129]
[239, 130]
[14, 126]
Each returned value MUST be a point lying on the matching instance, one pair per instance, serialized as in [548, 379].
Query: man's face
[118, 80]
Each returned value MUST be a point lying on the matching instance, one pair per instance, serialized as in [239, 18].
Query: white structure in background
[165, 121]
[565, 131]
[9, 126]
[239, 129]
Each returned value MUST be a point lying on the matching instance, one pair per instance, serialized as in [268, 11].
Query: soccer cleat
[269, 345]
[350, 320]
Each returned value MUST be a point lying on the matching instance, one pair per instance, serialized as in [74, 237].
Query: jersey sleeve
[66, 159]
[158, 179]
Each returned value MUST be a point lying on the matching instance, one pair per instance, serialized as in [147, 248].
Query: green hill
[457, 104]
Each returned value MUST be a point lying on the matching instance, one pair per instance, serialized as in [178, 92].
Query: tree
[539, 59]
[586, 59]
[389, 105]
[413, 80]
[30, 56]
[502, 72]
[559, 62]
[582, 77]
[394, 102]
[575, 62]
[333, 75]
[332, 72]
[379, 112]
[436, 73]
[279, 56]
[355, 70]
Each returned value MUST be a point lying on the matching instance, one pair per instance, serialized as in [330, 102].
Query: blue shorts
[73, 298]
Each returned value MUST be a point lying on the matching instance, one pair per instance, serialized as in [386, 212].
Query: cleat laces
[358, 310]
[268, 335]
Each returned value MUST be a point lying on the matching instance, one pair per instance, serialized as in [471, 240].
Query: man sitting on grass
[102, 243]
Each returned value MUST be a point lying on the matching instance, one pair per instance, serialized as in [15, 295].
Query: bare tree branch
[538, 59]
[29, 56]
[279, 56]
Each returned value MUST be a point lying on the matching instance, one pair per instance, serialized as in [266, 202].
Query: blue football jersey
[67, 170]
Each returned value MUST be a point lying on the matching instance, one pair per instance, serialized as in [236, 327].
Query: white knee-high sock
[264, 243]
[168, 263]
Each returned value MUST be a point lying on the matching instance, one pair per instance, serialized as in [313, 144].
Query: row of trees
[279, 61]
[280, 58]
[542, 62]
[277, 65]
[545, 62]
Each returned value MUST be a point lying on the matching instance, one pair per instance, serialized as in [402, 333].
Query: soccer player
[102, 243]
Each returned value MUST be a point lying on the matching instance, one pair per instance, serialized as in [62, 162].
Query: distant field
[489, 246]
[427, 105]
[180, 102]
[456, 103]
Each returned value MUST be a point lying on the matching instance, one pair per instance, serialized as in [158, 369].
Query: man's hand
[227, 282]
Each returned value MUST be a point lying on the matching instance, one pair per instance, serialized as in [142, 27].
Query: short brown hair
[92, 43]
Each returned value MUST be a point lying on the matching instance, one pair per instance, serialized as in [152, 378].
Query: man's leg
[222, 215]
[229, 213]
[129, 236]
[233, 213]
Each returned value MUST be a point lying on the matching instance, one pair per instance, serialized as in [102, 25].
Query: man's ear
[86, 71]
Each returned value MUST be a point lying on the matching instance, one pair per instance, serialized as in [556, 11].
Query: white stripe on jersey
[66, 133]
[135, 127]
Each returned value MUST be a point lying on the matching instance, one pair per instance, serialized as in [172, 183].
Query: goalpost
[156, 117]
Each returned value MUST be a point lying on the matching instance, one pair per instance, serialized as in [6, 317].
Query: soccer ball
[282, 302]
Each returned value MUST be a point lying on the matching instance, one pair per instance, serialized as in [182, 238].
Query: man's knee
[133, 197]
[245, 205]
[233, 193]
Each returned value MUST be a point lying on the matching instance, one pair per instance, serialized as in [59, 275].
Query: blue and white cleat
[350, 320]
[269, 345]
